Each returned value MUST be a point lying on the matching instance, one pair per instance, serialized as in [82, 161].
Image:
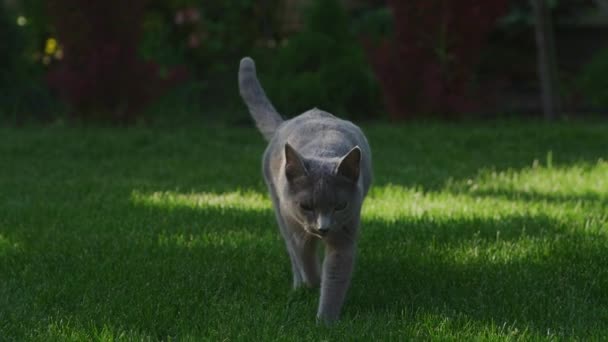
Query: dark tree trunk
[547, 64]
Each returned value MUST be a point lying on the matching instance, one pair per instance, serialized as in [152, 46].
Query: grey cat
[318, 170]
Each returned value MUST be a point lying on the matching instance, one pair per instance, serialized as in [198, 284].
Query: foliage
[592, 82]
[168, 234]
[323, 66]
[208, 37]
[10, 53]
[212, 35]
[102, 75]
[426, 67]
[11, 47]
[24, 95]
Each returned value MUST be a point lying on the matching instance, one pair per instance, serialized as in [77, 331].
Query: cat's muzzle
[314, 231]
[322, 231]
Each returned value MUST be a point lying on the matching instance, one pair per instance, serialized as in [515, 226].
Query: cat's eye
[340, 206]
[305, 206]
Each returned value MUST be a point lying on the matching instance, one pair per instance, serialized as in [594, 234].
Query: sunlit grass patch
[581, 181]
[61, 329]
[393, 202]
[242, 200]
[575, 191]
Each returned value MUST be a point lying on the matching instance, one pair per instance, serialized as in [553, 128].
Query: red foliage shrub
[101, 74]
[427, 65]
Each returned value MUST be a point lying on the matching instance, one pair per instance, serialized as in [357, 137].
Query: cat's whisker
[313, 233]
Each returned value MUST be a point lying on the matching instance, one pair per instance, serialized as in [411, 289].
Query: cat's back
[319, 133]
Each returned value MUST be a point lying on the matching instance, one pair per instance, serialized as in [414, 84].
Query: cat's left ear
[350, 164]
[294, 167]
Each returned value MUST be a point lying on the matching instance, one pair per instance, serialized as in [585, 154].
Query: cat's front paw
[327, 318]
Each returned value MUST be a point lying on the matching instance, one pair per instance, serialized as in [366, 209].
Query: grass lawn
[474, 231]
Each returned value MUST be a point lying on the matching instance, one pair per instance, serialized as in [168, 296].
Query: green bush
[592, 82]
[24, 95]
[11, 47]
[209, 36]
[321, 66]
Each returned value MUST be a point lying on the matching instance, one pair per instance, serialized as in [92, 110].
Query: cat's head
[322, 193]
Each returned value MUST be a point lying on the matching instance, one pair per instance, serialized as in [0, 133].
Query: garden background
[369, 60]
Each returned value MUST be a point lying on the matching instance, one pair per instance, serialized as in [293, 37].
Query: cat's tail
[266, 117]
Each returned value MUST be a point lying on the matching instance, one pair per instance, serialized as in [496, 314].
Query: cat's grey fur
[318, 170]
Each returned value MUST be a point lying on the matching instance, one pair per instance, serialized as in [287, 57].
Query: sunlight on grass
[243, 200]
[393, 202]
[579, 181]
[65, 329]
[227, 237]
[566, 192]
[507, 216]
[499, 251]
[559, 193]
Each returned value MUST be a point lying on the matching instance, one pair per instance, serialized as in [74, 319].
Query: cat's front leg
[302, 249]
[307, 250]
[337, 272]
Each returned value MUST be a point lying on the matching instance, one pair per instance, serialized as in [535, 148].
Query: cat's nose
[323, 223]
[323, 230]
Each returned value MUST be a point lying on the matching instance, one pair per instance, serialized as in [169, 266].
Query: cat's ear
[350, 164]
[294, 166]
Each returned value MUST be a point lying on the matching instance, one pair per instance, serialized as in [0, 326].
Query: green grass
[494, 231]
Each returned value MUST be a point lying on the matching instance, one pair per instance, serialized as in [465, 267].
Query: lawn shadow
[530, 272]
[429, 156]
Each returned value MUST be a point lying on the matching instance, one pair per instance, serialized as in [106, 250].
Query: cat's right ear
[350, 164]
[294, 166]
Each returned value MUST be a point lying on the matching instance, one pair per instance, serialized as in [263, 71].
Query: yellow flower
[50, 46]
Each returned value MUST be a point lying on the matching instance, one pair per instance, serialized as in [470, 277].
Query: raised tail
[266, 117]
